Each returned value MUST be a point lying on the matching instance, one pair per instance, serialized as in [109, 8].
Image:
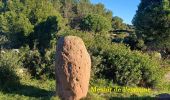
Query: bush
[49, 59]
[141, 45]
[39, 66]
[95, 23]
[9, 65]
[126, 67]
[32, 61]
[134, 42]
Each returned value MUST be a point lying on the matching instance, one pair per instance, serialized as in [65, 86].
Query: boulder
[73, 65]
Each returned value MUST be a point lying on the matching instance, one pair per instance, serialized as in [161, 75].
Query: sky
[125, 9]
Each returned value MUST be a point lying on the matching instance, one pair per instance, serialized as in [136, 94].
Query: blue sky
[125, 9]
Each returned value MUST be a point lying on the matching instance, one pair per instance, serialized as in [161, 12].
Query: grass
[32, 89]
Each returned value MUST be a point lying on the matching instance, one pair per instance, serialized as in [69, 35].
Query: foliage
[9, 65]
[38, 66]
[32, 61]
[15, 27]
[134, 42]
[45, 32]
[95, 23]
[34, 23]
[101, 10]
[140, 44]
[126, 67]
[152, 22]
[21, 22]
[117, 23]
[3, 40]
[84, 7]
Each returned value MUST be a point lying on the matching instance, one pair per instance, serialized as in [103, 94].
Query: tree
[95, 23]
[101, 10]
[83, 8]
[45, 32]
[117, 23]
[21, 19]
[66, 9]
[16, 27]
[57, 4]
[152, 22]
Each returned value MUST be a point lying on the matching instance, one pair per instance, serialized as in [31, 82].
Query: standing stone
[73, 67]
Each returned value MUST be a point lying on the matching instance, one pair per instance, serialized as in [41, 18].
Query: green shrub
[39, 66]
[134, 42]
[9, 64]
[49, 59]
[140, 44]
[32, 61]
[95, 23]
[155, 55]
[126, 67]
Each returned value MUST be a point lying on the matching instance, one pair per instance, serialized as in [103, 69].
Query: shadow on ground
[29, 91]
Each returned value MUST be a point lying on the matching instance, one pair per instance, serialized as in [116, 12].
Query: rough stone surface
[73, 67]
